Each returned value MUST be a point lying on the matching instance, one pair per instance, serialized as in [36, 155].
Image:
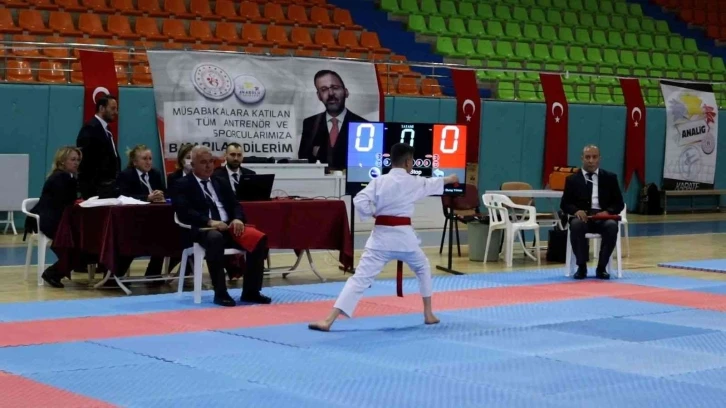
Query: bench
[692, 194]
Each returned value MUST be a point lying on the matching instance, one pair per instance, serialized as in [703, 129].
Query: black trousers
[214, 243]
[153, 269]
[608, 229]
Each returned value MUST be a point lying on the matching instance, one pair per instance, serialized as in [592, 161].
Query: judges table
[149, 230]
[301, 179]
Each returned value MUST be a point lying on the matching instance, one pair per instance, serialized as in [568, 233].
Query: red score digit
[450, 146]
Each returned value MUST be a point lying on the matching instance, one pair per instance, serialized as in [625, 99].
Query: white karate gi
[392, 194]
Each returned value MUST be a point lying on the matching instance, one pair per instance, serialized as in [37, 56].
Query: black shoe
[256, 298]
[224, 299]
[602, 274]
[581, 272]
[52, 280]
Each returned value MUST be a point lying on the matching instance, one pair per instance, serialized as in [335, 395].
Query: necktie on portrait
[334, 132]
[210, 201]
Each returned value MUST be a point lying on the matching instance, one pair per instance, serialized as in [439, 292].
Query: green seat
[594, 56]
[598, 38]
[662, 27]
[429, 7]
[531, 32]
[606, 8]
[572, 76]
[646, 41]
[689, 44]
[702, 76]
[633, 25]
[631, 41]
[656, 73]
[537, 15]
[576, 5]
[512, 30]
[621, 7]
[560, 4]
[627, 58]
[607, 76]
[582, 94]
[410, 7]
[523, 51]
[475, 28]
[564, 35]
[527, 92]
[505, 90]
[602, 94]
[502, 13]
[445, 46]
[688, 76]
[504, 49]
[587, 20]
[673, 75]
[617, 23]
[493, 73]
[494, 29]
[569, 92]
[390, 6]
[672, 61]
[689, 63]
[602, 21]
[549, 34]
[592, 6]
[554, 17]
[615, 39]
[717, 77]
[643, 59]
[467, 10]
[577, 55]
[618, 97]
[528, 3]
[417, 24]
[447, 8]
[635, 10]
[520, 14]
[544, 3]
[610, 57]
[533, 74]
[511, 67]
[623, 72]
[676, 44]
[485, 48]
[484, 11]
[465, 47]
[661, 42]
[552, 68]
[658, 59]
[541, 52]
[704, 63]
[437, 25]
[648, 25]
[656, 97]
[582, 36]
[457, 27]
[474, 62]
[569, 19]
[717, 64]
[559, 53]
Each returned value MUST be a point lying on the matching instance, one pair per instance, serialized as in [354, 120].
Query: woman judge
[183, 167]
[59, 191]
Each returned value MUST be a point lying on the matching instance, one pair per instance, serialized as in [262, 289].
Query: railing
[130, 57]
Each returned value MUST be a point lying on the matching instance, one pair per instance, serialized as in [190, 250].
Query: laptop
[255, 187]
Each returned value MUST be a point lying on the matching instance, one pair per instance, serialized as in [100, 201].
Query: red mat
[19, 392]
[696, 300]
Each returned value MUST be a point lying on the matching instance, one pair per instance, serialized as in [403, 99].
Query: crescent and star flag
[556, 119]
[468, 109]
[99, 79]
[634, 130]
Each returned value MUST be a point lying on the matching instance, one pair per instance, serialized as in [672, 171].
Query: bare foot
[321, 325]
[431, 319]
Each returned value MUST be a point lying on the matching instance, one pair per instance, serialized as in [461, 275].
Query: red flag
[634, 130]
[99, 79]
[556, 119]
[468, 109]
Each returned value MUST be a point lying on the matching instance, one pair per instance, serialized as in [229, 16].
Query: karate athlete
[390, 200]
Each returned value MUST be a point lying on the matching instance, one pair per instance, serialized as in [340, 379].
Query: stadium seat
[51, 72]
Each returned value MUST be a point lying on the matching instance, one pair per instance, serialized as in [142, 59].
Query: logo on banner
[248, 89]
[689, 163]
[636, 122]
[562, 111]
[692, 119]
[466, 103]
[212, 81]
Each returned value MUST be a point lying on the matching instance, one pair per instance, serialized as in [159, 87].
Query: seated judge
[142, 182]
[217, 221]
[59, 192]
[325, 135]
[231, 172]
[183, 167]
[592, 191]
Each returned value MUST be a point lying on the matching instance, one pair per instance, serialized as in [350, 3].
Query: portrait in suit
[59, 192]
[101, 165]
[217, 220]
[592, 191]
[325, 135]
[232, 170]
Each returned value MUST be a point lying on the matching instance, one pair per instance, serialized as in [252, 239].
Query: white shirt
[232, 181]
[147, 183]
[220, 207]
[595, 183]
[108, 133]
[395, 194]
[329, 120]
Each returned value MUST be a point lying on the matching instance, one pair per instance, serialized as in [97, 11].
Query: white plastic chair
[499, 219]
[198, 252]
[42, 240]
[571, 266]
[624, 222]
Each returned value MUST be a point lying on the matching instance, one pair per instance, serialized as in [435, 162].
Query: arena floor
[508, 337]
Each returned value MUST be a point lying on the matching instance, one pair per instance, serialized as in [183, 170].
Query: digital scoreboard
[439, 150]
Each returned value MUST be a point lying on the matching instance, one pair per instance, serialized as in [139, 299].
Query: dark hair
[324, 72]
[103, 101]
[233, 144]
[183, 152]
[399, 153]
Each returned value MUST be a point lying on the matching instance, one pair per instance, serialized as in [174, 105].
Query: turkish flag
[468, 110]
[99, 79]
[556, 119]
[634, 130]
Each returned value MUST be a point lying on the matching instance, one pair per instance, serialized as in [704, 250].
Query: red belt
[393, 221]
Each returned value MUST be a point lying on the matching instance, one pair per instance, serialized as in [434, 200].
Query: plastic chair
[198, 252]
[570, 266]
[623, 221]
[498, 206]
[42, 240]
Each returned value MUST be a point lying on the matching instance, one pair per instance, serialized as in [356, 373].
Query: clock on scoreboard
[439, 150]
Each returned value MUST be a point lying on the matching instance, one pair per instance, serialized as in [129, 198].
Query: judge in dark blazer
[232, 170]
[183, 167]
[211, 209]
[592, 191]
[142, 182]
[98, 171]
[325, 135]
[59, 191]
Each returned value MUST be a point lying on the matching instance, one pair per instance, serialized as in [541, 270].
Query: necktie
[334, 132]
[212, 205]
[110, 137]
[235, 182]
[589, 187]
[144, 179]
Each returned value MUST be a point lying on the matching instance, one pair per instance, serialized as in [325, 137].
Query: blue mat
[711, 343]
[705, 319]
[605, 307]
[521, 315]
[708, 265]
[627, 329]
[259, 397]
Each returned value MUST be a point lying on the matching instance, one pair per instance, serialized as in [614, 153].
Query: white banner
[691, 136]
[259, 102]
